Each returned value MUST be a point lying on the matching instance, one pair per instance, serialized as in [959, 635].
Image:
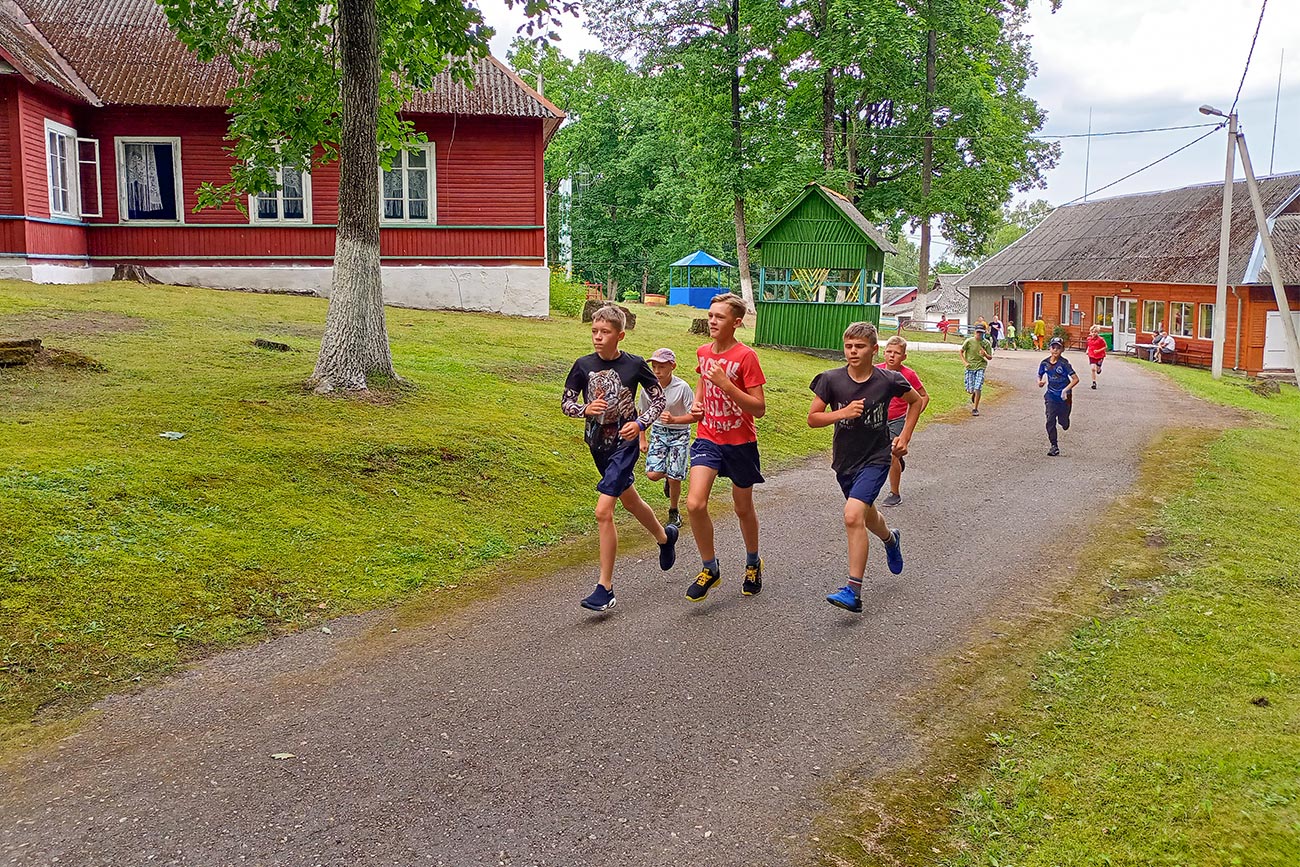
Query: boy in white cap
[1057, 375]
[667, 445]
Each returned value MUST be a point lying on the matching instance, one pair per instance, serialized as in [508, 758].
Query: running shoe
[1094, 386]
[974, 412]
[674, 519]
[668, 550]
[891, 500]
[1053, 452]
[753, 584]
[894, 552]
[702, 584]
[845, 598]
[599, 600]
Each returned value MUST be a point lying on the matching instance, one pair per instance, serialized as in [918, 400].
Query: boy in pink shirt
[895, 355]
[728, 400]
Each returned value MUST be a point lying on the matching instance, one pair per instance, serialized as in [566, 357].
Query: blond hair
[862, 331]
[897, 340]
[733, 301]
[612, 314]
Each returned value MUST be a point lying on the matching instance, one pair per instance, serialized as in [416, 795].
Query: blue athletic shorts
[669, 451]
[865, 484]
[738, 463]
[617, 468]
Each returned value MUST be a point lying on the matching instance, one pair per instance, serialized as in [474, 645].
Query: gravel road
[523, 731]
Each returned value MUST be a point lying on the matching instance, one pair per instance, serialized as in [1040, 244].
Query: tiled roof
[1166, 237]
[1286, 244]
[34, 57]
[126, 53]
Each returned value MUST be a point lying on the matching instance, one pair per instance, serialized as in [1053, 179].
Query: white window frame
[119, 151]
[1155, 325]
[281, 220]
[432, 168]
[1188, 323]
[1038, 305]
[1103, 311]
[1205, 325]
[1066, 307]
[71, 169]
[99, 179]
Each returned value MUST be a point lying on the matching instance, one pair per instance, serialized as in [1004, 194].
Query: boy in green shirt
[975, 354]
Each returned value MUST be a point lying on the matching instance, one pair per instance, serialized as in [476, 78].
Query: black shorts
[739, 463]
[617, 468]
[865, 484]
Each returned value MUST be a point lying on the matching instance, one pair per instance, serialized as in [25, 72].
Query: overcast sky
[1135, 64]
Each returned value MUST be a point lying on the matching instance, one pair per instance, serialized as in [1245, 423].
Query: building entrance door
[1125, 323]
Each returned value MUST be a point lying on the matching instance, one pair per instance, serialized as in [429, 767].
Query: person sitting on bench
[1162, 346]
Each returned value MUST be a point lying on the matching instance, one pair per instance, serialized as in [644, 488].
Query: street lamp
[1220, 329]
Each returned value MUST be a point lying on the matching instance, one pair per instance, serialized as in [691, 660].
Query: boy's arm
[570, 405]
[818, 416]
[655, 403]
[924, 395]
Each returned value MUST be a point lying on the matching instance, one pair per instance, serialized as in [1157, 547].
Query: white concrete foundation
[514, 290]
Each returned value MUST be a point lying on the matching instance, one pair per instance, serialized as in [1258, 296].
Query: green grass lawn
[123, 554]
[1165, 731]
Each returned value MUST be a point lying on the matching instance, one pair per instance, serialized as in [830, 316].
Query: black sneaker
[753, 584]
[599, 600]
[1053, 452]
[674, 519]
[702, 584]
[668, 550]
[1094, 386]
[891, 500]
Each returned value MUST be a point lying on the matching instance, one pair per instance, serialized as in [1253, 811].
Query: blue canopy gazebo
[696, 279]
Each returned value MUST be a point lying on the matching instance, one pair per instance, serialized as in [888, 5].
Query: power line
[882, 133]
[1249, 55]
[1196, 140]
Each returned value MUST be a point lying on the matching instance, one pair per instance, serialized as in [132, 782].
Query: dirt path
[523, 732]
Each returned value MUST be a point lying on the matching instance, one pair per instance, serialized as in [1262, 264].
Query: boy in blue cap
[1058, 376]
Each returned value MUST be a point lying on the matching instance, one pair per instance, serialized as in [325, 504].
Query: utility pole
[1221, 289]
[1270, 257]
[927, 169]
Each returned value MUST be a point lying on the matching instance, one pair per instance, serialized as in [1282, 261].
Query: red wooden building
[1143, 262]
[108, 126]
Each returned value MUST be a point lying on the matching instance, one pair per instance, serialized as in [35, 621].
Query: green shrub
[567, 296]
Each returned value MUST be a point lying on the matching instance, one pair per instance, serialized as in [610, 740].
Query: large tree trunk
[355, 344]
[738, 161]
[828, 95]
[927, 169]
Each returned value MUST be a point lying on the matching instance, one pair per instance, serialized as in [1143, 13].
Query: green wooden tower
[821, 267]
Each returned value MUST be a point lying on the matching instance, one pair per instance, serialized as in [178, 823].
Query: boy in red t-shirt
[1096, 352]
[728, 400]
[895, 355]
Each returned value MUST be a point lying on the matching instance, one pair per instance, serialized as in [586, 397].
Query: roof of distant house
[123, 52]
[1164, 237]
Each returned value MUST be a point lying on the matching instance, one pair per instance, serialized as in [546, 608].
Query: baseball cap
[1056, 341]
[664, 354]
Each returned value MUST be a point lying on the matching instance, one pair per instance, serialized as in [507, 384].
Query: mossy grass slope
[123, 554]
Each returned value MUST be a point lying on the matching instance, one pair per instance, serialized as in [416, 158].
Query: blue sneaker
[845, 598]
[668, 550]
[894, 552]
[599, 600]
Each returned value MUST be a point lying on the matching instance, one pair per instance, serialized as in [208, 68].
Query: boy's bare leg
[876, 524]
[855, 528]
[642, 511]
[978, 393]
[743, 501]
[895, 475]
[608, 538]
[699, 487]
[674, 493]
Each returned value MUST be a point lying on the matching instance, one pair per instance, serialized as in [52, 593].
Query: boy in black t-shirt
[855, 398]
[606, 380]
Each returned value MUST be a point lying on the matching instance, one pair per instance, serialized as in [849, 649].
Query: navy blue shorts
[618, 468]
[865, 484]
[738, 463]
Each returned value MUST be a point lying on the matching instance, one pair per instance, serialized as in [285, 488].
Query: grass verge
[1151, 716]
[124, 554]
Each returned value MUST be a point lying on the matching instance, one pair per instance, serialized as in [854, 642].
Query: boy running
[1056, 373]
[1011, 335]
[895, 355]
[855, 398]
[975, 354]
[1096, 352]
[667, 446]
[728, 400]
[607, 380]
